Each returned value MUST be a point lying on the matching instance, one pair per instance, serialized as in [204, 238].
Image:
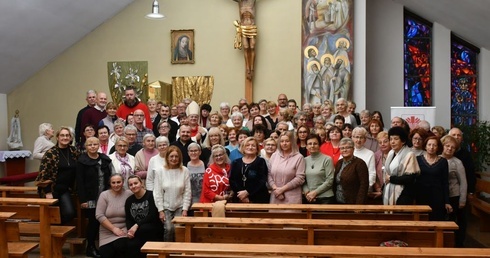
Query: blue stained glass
[465, 56]
[417, 91]
[414, 28]
[417, 67]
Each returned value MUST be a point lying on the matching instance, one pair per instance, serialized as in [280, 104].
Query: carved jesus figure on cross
[246, 31]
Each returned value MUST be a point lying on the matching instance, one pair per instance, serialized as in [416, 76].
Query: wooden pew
[10, 245]
[319, 211]
[52, 237]
[77, 244]
[480, 207]
[19, 191]
[313, 232]
[166, 249]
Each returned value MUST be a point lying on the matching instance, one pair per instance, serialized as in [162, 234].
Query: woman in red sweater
[215, 185]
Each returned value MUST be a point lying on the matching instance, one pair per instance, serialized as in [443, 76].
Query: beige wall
[56, 93]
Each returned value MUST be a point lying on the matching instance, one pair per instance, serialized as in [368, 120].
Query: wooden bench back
[19, 191]
[319, 215]
[24, 212]
[318, 224]
[254, 250]
[300, 236]
[313, 211]
[318, 207]
[307, 231]
[482, 186]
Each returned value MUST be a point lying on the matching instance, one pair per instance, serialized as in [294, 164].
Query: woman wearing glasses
[248, 174]
[351, 180]
[215, 185]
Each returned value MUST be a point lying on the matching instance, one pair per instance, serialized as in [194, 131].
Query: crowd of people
[137, 166]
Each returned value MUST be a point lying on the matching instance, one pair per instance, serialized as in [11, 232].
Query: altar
[15, 167]
[14, 161]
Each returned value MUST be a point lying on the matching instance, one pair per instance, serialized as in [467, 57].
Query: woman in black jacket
[92, 166]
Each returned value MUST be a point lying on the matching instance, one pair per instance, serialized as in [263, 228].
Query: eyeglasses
[122, 146]
[219, 155]
[346, 148]
[417, 139]
[358, 137]
[139, 115]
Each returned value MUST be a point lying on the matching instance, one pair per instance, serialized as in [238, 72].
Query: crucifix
[246, 32]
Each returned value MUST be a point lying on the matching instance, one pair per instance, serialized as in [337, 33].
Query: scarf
[125, 166]
[403, 163]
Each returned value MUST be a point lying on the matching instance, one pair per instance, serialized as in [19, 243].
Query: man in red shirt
[131, 104]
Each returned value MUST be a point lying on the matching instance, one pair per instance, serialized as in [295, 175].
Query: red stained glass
[464, 84]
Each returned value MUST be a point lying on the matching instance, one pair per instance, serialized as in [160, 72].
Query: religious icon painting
[328, 52]
[182, 46]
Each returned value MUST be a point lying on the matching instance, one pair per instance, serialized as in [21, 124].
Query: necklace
[64, 156]
[431, 161]
[314, 162]
[244, 172]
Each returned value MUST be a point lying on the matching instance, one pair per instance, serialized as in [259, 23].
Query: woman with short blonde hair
[248, 175]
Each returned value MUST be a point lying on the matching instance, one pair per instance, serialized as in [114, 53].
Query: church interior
[72, 53]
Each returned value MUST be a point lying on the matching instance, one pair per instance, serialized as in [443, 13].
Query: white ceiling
[467, 19]
[35, 32]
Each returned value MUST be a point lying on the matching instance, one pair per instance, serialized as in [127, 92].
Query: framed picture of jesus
[182, 46]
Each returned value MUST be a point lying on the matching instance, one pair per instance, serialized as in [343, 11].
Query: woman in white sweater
[43, 142]
[172, 191]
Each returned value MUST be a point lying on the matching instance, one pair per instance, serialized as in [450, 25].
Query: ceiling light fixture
[155, 13]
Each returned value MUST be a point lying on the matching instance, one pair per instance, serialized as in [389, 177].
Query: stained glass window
[464, 74]
[417, 56]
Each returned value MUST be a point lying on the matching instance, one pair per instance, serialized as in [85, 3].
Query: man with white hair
[424, 124]
[96, 113]
[341, 109]
[90, 98]
[396, 122]
[465, 157]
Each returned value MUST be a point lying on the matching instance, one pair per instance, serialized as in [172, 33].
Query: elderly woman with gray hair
[359, 135]
[143, 156]
[157, 161]
[351, 180]
[43, 142]
[122, 161]
[236, 121]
